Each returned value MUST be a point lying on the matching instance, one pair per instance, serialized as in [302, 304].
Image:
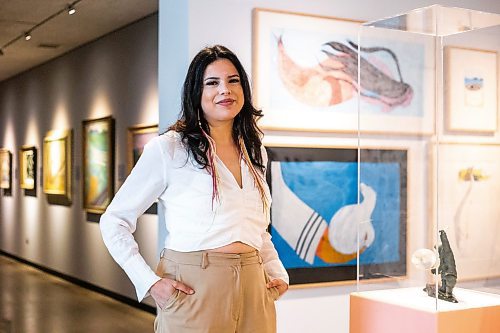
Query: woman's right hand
[164, 288]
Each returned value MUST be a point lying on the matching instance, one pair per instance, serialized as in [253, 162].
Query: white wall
[229, 22]
[115, 75]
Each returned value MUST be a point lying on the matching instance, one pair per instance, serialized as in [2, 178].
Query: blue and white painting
[316, 217]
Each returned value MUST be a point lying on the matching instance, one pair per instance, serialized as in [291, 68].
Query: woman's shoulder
[171, 136]
[170, 142]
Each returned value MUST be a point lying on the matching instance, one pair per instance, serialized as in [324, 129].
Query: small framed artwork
[305, 73]
[5, 169]
[315, 212]
[98, 163]
[138, 136]
[57, 146]
[471, 90]
[27, 167]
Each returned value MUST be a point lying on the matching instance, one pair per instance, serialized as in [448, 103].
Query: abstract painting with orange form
[317, 225]
[306, 76]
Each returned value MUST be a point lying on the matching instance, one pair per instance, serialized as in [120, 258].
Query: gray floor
[32, 301]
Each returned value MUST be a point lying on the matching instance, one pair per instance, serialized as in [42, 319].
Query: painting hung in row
[5, 169]
[471, 90]
[314, 212]
[27, 167]
[98, 164]
[468, 183]
[57, 146]
[305, 70]
[138, 136]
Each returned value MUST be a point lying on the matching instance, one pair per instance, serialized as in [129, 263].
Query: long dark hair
[244, 125]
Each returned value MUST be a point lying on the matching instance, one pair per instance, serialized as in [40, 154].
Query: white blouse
[165, 172]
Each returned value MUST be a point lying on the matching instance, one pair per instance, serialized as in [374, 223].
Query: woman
[219, 271]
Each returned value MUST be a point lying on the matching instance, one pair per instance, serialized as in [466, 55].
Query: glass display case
[428, 232]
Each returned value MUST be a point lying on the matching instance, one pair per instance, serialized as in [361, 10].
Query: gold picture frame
[57, 163]
[27, 167]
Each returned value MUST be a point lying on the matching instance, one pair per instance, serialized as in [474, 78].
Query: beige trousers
[230, 294]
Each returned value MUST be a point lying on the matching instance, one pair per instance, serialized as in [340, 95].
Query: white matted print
[471, 90]
[468, 181]
[305, 76]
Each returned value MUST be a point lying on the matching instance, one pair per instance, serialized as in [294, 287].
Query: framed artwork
[98, 163]
[471, 90]
[57, 146]
[5, 169]
[314, 212]
[468, 183]
[27, 167]
[305, 73]
[138, 136]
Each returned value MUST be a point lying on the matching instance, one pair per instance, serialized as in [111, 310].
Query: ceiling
[93, 19]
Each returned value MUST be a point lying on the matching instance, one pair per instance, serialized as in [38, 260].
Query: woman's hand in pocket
[164, 288]
[279, 284]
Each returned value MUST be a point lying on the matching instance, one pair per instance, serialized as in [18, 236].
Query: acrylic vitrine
[429, 171]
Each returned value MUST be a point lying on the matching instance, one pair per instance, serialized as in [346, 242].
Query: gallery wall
[189, 25]
[116, 76]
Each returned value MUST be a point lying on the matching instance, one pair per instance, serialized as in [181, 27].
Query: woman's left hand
[281, 285]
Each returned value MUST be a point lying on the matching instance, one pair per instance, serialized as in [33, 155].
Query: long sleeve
[142, 187]
[272, 263]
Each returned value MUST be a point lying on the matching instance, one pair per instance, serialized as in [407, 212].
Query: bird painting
[334, 79]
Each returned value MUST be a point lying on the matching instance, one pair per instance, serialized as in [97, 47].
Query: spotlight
[71, 10]
[27, 36]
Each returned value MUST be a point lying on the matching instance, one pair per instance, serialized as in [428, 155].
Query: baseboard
[84, 284]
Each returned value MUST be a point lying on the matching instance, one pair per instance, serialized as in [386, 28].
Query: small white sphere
[424, 259]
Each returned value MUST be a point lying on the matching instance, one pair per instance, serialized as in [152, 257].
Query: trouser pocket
[170, 270]
[273, 291]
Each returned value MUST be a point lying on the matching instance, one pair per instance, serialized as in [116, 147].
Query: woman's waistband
[204, 258]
